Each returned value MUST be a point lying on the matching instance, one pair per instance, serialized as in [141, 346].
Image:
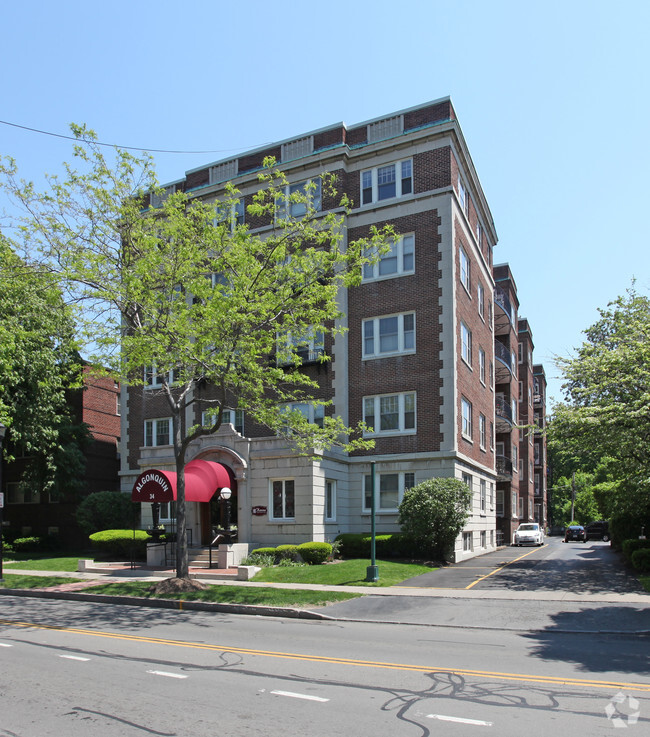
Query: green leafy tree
[39, 364]
[607, 410]
[164, 287]
[433, 513]
[105, 510]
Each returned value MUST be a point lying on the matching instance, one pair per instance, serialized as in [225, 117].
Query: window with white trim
[467, 480]
[468, 542]
[283, 499]
[513, 505]
[463, 196]
[465, 271]
[232, 214]
[389, 414]
[466, 416]
[391, 335]
[167, 511]
[480, 298]
[386, 182]
[298, 198]
[314, 414]
[234, 417]
[521, 507]
[482, 431]
[330, 500]
[479, 233]
[398, 261]
[308, 346]
[154, 380]
[466, 343]
[483, 539]
[481, 365]
[157, 432]
[389, 490]
[499, 505]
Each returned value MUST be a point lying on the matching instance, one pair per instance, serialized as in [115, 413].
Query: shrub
[121, 543]
[629, 547]
[433, 513]
[641, 559]
[105, 510]
[263, 551]
[263, 560]
[286, 552]
[7, 547]
[315, 553]
[27, 544]
[357, 545]
[624, 526]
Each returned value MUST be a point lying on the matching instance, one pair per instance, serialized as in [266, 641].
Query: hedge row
[122, 543]
[312, 553]
[357, 545]
[630, 547]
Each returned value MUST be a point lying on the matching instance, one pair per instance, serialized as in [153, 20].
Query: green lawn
[60, 563]
[346, 573]
[231, 594]
[13, 581]
[645, 582]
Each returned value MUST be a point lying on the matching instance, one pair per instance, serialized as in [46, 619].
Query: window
[520, 351]
[21, 495]
[468, 544]
[483, 539]
[515, 451]
[330, 500]
[530, 397]
[480, 294]
[390, 414]
[283, 499]
[490, 314]
[384, 336]
[294, 348]
[481, 365]
[491, 375]
[466, 412]
[521, 391]
[234, 417]
[386, 182]
[491, 435]
[465, 275]
[399, 260]
[153, 379]
[232, 214]
[482, 431]
[298, 198]
[167, 511]
[156, 432]
[499, 510]
[483, 494]
[389, 490]
[521, 507]
[479, 234]
[466, 343]
[463, 196]
[538, 488]
[314, 414]
[491, 495]
[467, 480]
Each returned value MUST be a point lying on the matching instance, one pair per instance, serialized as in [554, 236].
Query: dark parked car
[575, 532]
[598, 530]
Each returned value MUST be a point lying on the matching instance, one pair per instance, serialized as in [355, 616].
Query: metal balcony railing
[502, 353]
[502, 300]
[504, 467]
[503, 409]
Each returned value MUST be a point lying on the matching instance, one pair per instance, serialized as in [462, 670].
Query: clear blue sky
[553, 98]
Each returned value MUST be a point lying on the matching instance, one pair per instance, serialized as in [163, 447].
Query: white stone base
[230, 556]
[155, 554]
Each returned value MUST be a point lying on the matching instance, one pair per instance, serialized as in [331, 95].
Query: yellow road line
[554, 680]
[496, 570]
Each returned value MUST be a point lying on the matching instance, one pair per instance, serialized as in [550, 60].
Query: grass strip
[230, 594]
[62, 563]
[345, 573]
[13, 581]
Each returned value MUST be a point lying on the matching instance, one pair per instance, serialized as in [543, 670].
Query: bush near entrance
[121, 543]
[357, 545]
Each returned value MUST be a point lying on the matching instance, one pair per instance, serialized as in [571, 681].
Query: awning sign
[153, 486]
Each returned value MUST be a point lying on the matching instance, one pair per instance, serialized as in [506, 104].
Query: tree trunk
[182, 559]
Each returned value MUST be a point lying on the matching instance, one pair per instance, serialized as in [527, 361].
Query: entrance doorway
[213, 514]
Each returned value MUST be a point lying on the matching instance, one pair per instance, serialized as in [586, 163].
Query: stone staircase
[200, 557]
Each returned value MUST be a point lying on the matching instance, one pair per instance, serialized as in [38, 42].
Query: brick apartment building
[97, 404]
[429, 359]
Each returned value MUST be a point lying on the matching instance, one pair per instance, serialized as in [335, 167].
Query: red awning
[202, 480]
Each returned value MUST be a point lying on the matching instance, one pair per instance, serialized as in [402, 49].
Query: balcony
[503, 415]
[504, 318]
[304, 357]
[503, 368]
[504, 468]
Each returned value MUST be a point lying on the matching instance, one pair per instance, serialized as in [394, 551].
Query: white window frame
[514, 506]
[312, 343]
[499, 507]
[371, 182]
[466, 418]
[466, 343]
[286, 486]
[154, 380]
[405, 480]
[314, 414]
[463, 196]
[297, 210]
[167, 511]
[468, 542]
[329, 510]
[232, 213]
[154, 432]
[480, 298]
[234, 417]
[372, 337]
[465, 270]
[481, 366]
[482, 431]
[403, 400]
[402, 251]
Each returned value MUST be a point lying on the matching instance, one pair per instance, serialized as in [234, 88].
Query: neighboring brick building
[97, 405]
[430, 343]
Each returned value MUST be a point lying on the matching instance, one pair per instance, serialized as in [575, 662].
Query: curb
[177, 604]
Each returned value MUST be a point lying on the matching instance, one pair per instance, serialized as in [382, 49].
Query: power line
[114, 145]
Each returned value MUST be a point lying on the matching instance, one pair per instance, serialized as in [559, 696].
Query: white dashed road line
[166, 674]
[74, 657]
[299, 696]
[459, 720]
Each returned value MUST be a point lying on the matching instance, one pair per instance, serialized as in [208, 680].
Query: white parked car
[529, 533]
